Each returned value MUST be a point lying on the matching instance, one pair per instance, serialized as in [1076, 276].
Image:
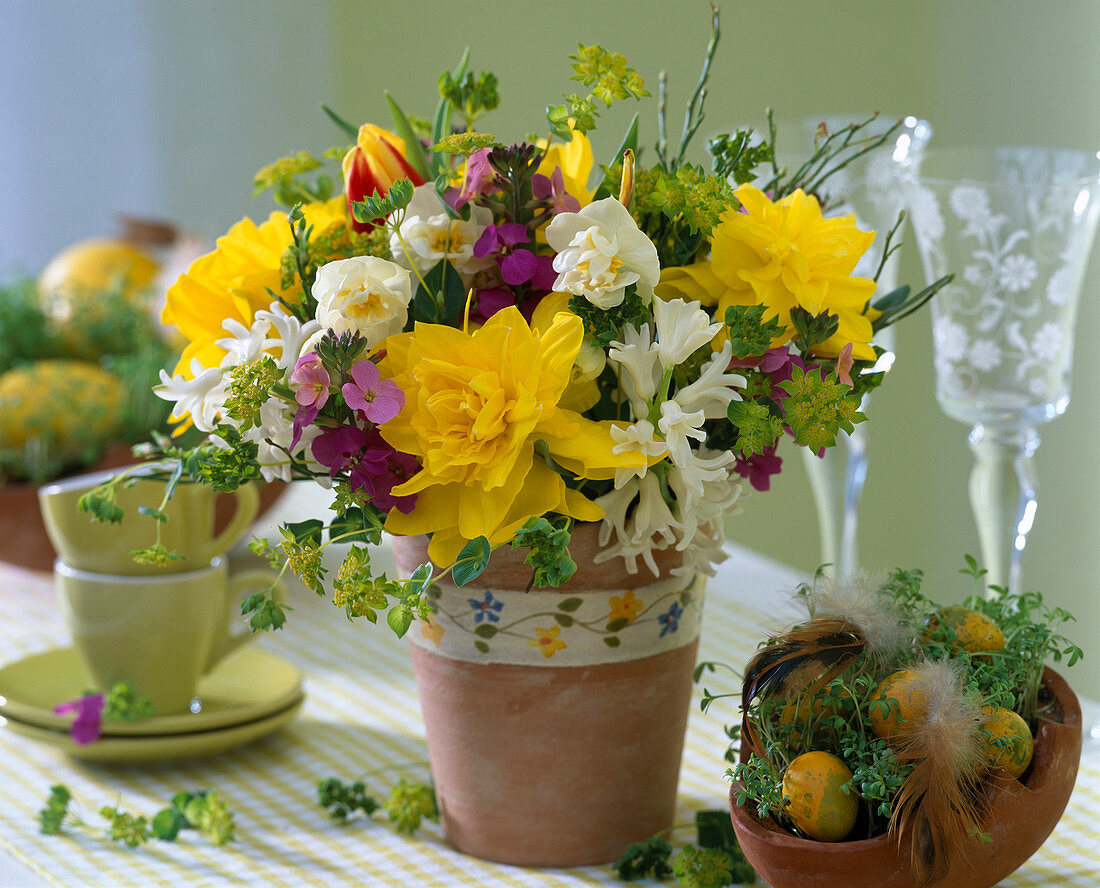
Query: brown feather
[940, 805]
[806, 658]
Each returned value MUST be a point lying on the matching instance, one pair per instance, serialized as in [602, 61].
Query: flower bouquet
[484, 345]
[892, 740]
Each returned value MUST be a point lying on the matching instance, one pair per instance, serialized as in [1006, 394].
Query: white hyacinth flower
[292, 334]
[202, 396]
[244, 344]
[639, 436]
[682, 329]
[430, 235]
[600, 252]
[712, 392]
[678, 426]
[637, 354]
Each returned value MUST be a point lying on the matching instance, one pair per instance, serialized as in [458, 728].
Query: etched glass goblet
[1015, 226]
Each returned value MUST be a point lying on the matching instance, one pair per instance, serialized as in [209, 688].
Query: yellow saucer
[161, 748]
[247, 685]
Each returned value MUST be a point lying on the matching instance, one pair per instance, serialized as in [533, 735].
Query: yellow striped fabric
[361, 719]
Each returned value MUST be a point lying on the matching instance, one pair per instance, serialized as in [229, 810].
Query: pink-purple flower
[552, 188]
[759, 467]
[312, 380]
[479, 178]
[379, 400]
[88, 724]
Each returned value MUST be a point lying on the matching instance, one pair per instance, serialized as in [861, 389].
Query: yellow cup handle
[252, 579]
[248, 507]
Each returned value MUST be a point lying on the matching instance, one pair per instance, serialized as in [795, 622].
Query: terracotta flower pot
[555, 719]
[23, 538]
[1021, 815]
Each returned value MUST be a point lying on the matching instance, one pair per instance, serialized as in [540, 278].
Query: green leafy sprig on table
[716, 860]
[205, 812]
[407, 806]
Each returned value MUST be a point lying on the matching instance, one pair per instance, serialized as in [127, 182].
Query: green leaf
[355, 523]
[564, 620]
[641, 859]
[558, 118]
[481, 646]
[629, 142]
[167, 824]
[471, 561]
[612, 641]
[485, 630]
[420, 579]
[155, 514]
[715, 829]
[307, 531]
[399, 618]
[377, 206]
[443, 300]
[414, 151]
[570, 604]
[441, 125]
[349, 129]
[616, 625]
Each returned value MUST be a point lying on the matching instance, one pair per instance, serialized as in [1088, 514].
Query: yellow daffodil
[480, 408]
[241, 276]
[782, 254]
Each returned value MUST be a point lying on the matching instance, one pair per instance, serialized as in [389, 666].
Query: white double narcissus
[600, 252]
[365, 294]
[427, 235]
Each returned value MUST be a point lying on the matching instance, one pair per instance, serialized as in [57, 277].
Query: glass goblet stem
[1003, 494]
[836, 481]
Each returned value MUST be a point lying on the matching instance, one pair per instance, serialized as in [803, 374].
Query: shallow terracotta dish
[1021, 816]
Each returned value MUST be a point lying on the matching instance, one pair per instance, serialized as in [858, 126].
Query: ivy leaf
[471, 561]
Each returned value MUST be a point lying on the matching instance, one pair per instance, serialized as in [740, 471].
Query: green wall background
[227, 87]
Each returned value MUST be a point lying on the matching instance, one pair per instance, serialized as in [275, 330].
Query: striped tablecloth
[361, 715]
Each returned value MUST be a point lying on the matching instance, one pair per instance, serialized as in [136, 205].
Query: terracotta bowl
[1021, 816]
[23, 539]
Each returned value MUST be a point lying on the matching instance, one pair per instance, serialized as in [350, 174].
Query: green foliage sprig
[407, 805]
[204, 811]
[716, 860]
[548, 542]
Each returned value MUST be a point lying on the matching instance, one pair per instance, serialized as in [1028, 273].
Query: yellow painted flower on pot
[547, 640]
[481, 406]
[625, 607]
